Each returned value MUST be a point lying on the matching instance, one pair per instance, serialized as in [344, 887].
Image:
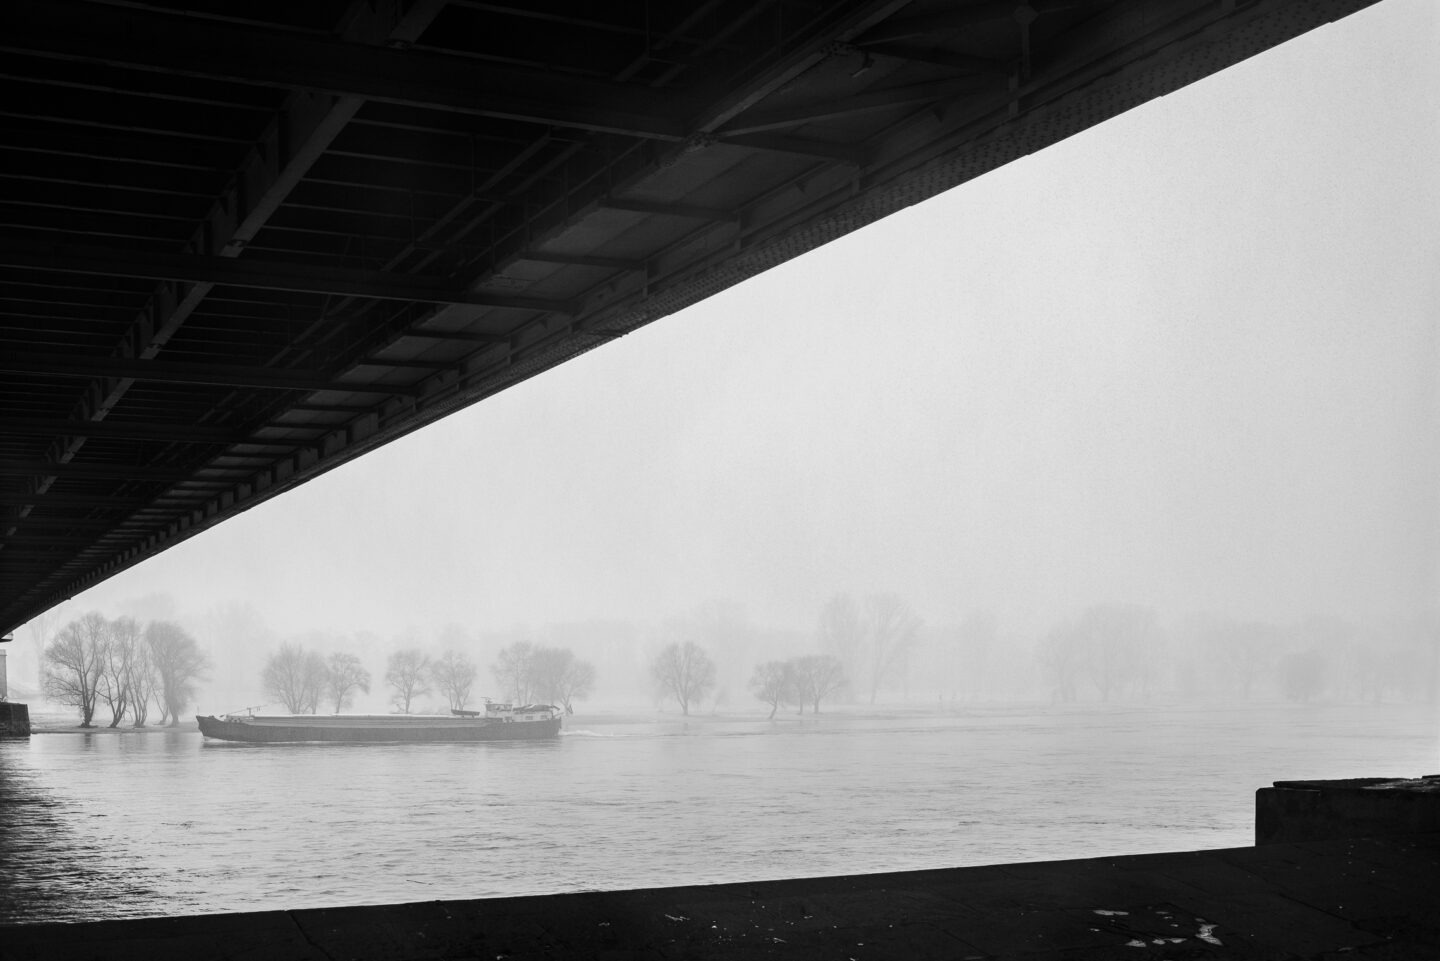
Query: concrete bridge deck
[1351, 898]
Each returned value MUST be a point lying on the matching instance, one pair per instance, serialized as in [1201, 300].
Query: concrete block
[1353, 808]
[14, 719]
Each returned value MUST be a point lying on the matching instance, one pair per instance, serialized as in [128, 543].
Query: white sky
[1185, 359]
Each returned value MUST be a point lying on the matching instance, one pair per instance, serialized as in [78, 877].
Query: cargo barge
[498, 722]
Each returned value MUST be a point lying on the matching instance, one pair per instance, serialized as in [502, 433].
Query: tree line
[865, 643]
[1104, 652]
[684, 671]
[859, 646]
[128, 668]
[302, 680]
[1117, 652]
[530, 672]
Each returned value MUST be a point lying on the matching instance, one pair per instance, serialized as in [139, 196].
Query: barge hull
[399, 731]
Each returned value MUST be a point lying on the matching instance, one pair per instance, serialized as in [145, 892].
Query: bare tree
[514, 671]
[1120, 644]
[1236, 653]
[871, 638]
[1116, 647]
[405, 672]
[547, 667]
[141, 681]
[891, 629]
[577, 681]
[816, 677]
[179, 664]
[115, 670]
[560, 677]
[1324, 641]
[841, 631]
[774, 683]
[294, 677]
[344, 675]
[684, 672]
[314, 682]
[72, 664]
[1302, 675]
[1059, 656]
[453, 674]
[1383, 668]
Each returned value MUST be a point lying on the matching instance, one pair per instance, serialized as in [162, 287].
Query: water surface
[119, 825]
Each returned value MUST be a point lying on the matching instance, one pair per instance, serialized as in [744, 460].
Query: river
[114, 824]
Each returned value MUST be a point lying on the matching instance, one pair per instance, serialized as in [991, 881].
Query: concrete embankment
[1347, 898]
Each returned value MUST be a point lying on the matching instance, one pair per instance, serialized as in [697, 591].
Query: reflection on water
[115, 825]
[51, 860]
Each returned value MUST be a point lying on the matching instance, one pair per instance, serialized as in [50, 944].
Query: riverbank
[58, 724]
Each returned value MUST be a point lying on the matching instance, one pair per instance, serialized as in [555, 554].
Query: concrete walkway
[1349, 899]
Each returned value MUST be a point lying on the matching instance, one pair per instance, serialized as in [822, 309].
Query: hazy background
[1185, 360]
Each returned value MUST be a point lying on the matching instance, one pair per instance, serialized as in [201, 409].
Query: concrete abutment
[14, 719]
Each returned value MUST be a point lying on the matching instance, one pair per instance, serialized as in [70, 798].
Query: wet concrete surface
[1339, 899]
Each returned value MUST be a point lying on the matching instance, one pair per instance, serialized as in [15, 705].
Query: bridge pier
[14, 718]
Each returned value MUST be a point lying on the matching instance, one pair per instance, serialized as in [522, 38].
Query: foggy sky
[1186, 359]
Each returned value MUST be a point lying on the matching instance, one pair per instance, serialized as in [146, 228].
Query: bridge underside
[244, 242]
